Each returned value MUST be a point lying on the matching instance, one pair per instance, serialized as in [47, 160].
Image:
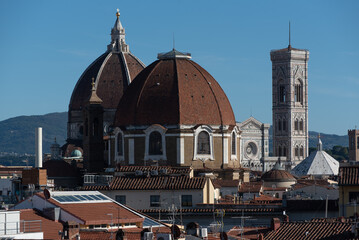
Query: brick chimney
[285, 218]
[275, 224]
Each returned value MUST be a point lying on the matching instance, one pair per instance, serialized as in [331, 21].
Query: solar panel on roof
[96, 197]
[74, 198]
[89, 197]
[67, 198]
[80, 198]
[102, 197]
[149, 222]
[57, 198]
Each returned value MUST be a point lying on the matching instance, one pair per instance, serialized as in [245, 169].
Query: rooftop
[161, 169]
[152, 183]
[348, 175]
[49, 227]
[96, 210]
[311, 230]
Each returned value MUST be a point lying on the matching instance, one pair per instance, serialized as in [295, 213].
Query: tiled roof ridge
[153, 182]
[142, 168]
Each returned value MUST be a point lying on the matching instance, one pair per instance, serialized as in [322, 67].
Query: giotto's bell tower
[290, 104]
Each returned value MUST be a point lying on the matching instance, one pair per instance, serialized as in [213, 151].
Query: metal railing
[23, 226]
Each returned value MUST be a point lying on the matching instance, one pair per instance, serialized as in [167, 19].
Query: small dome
[76, 153]
[174, 90]
[277, 175]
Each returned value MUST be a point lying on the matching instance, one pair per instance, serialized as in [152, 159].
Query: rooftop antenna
[173, 39]
[289, 46]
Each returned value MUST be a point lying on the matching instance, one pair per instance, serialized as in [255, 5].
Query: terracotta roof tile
[349, 175]
[110, 73]
[50, 228]
[253, 187]
[248, 232]
[311, 230]
[152, 183]
[301, 183]
[130, 233]
[277, 175]
[98, 212]
[95, 235]
[274, 189]
[174, 91]
[229, 209]
[225, 183]
[169, 169]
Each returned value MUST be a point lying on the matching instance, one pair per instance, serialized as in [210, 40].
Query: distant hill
[328, 140]
[18, 133]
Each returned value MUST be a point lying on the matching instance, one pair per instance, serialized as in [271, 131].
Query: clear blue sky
[46, 45]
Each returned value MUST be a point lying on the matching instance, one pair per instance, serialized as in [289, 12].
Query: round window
[251, 150]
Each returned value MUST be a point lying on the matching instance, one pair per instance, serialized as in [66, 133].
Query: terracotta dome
[277, 175]
[112, 73]
[174, 90]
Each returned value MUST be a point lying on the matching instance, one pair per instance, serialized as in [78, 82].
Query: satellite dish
[175, 231]
[47, 194]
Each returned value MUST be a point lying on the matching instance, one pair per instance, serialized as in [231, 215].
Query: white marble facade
[254, 143]
[290, 104]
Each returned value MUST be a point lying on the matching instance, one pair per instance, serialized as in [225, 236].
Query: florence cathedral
[174, 113]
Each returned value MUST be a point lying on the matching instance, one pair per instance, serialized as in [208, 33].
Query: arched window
[301, 125]
[301, 151]
[298, 93]
[282, 93]
[155, 143]
[203, 144]
[119, 144]
[280, 151]
[284, 125]
[296, 124]
[284, 151]
[296, 151]
[234, 143]
[279, 125]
